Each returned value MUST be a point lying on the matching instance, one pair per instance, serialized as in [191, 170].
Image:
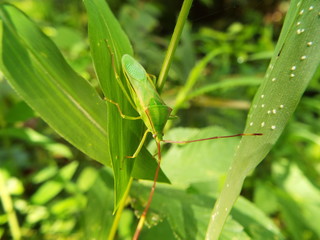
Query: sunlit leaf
[188, 214]
[107, 38]
[295, 61]
[37, 71]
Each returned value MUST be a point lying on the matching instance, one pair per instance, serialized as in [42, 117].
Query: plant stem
[8, 208]
[117, 217]
[173, 43]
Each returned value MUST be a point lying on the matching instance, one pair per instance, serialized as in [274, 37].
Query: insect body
[153, 112]
[152, 109]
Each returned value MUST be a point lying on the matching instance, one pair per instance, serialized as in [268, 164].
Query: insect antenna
[211, 138]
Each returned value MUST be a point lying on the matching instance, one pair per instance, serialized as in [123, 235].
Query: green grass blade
[124, 135]
[231, 82]
[292, 66]
[37, 71]
[104, 30]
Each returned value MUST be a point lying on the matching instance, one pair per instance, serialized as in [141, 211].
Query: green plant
[44, 79]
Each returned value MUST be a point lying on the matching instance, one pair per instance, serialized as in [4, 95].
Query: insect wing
[141, 88]
[151, 107]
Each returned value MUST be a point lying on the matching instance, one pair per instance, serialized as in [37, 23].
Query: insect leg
[152, 79]
[119, 109]
[117, 76]
[140, 145]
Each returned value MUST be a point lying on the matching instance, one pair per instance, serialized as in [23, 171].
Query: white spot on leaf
[299, 31]
[309, 44]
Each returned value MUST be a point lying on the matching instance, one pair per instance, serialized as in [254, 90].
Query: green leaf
[19, 112]
[67, 172]
[227, 83]
[37, 71]
[198, 162]
[97, 217]
[187, 202]
[299, 198]
[47, 192]
[44, 174]
[52, 188]
[107, 37]
[294, 63]
[66, 206]
[188, 215]
[86, 178]
[32, 137]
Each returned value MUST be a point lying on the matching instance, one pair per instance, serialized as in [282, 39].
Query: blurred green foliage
[57, 194]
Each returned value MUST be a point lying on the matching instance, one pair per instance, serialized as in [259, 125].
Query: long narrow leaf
[37, 71]
[293, 65]
[107, 38]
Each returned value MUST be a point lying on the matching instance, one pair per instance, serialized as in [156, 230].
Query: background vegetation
[51, 184]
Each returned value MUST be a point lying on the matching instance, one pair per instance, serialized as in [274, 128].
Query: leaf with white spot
[294, 63]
